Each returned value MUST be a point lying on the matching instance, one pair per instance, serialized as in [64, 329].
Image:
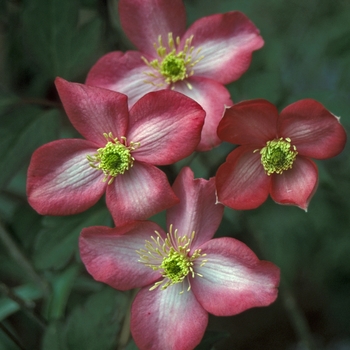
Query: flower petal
[295, 186]
[60, 180]
[314, 131]
[213, 97]
[227, 42]
[139, 193]
[94, 111]
[166, 319]
[234, 279]
[167, 124]
[241, 181]
[110, 256]
[144, 20]
[249, 122]
[123, 73]
[197, 210]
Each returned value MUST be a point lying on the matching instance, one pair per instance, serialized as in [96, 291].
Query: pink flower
[118, 156]
[183, 274]
[274, 154]
[197, 62]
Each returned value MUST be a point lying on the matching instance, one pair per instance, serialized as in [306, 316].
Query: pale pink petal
[226, 42]
[241, 181]
[234, 279]
[197, 210]
[60, 180]
[144, 20]
[166, 319]
[213, 97]
[94, 111]
[314, 131]
[167, 124]
[139, 193]
[109, 254]
[125, 73]
[249, 122]
[295, 186]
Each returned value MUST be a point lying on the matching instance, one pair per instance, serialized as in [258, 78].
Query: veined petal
[60, 180]
[314, 131]
[197, 210]
[166, 319]
[94, 111]
[241, 181]
[234, 279]
[168, 126]
[123, 73]
[139, 193]
[227, 42]
[213, 97]
[295, 186]
[249, 122]
[144, 20]
[110, 256]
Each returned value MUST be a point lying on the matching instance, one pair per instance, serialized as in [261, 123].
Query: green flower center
[172, 65]
[278, 155]
[113, 159]
[170, 256]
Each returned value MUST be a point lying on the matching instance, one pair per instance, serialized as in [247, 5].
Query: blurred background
[47, 299]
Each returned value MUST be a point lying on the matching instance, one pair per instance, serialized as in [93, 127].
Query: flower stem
[297, 317]
[21, 259]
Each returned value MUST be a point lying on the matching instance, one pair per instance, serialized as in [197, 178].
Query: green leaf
[95, 325]
[58, 239]
[54, 338]
[23, 130]
[54, 40]
[27, 292]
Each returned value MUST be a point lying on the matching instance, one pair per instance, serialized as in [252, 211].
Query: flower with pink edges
[183, 274]
[197, 62]
[274, 153]
[118, 155]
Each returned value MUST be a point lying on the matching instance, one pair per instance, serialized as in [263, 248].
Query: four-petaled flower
[197, 62]
[274, 153]
[183, 274]
[118, 156]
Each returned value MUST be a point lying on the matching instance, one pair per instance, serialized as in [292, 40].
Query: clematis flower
[118, 154]
[197, 62]
[274, 156]
[183, 274]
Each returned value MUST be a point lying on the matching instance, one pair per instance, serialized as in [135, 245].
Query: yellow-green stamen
[113, 159]
[172, 66]
[278, 155]
[170, 256]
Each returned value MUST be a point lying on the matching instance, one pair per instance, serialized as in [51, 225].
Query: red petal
[144, 20]
[197, 210]
[314, 131]
[213, 97]
[249, 122]
[60, 180]
[241, 181]
[109, 254]
[295, 186]
[227, 42]
[139, 193]
[167, 124]
[123, 73]
[166, 319]
[234, 279]
[94, 111]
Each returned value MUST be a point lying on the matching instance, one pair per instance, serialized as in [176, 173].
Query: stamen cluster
[113, 159]
[173, 66]
[171, 257]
